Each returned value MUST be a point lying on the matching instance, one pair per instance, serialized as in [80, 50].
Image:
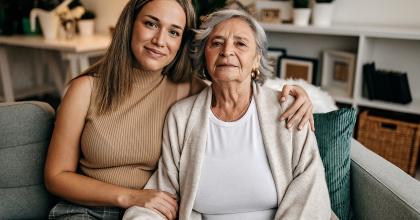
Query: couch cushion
[333, 131]
[24, 137]
[381, 190]
[26, 122]
[30, 202]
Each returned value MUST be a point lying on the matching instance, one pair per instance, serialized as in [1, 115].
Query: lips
[154, 52]
[226, 65]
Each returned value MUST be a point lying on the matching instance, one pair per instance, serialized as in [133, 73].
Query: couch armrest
[25, 130]
[379, 189]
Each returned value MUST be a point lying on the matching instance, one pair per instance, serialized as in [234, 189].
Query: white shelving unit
[390, 48]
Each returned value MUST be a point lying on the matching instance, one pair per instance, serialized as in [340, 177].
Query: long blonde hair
[114, 72]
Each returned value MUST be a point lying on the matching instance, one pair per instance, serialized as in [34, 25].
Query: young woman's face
[157, 34]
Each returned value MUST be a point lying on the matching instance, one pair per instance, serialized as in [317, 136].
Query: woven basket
[397, 141]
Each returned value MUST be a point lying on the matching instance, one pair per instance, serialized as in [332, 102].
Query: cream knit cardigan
[293, 157]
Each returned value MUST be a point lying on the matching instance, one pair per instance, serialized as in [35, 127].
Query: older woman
[223, 154]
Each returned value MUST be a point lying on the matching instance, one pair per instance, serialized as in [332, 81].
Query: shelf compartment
[397, 55]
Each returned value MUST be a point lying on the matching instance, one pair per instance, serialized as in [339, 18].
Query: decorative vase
[86, 27]
[50, 22]
[301, 16]
[322, 14]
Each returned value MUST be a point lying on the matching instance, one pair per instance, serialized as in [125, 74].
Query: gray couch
[379, 189]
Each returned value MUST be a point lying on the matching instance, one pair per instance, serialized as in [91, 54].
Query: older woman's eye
[216, 43]
[241, 44]
[150, 24]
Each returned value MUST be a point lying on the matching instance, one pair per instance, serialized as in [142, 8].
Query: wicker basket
[395, 140]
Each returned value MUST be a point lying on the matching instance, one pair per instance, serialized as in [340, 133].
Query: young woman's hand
[163, 203]
[300, 112]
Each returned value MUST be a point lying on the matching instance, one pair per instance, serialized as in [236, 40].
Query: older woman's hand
[300, 112]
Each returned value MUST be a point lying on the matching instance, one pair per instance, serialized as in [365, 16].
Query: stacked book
[385, 85]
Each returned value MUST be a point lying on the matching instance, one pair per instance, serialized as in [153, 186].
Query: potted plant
[322, 13]
[86, 24]
[301, 12]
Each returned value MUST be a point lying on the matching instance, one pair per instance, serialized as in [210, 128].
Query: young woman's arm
[61, 177]
[299, 113]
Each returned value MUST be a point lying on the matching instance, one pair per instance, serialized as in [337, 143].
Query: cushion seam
[40, 184]
[23, 145]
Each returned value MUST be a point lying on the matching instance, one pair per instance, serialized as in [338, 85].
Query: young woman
[107, 137]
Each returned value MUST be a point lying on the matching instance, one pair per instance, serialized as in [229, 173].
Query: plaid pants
[68, 211]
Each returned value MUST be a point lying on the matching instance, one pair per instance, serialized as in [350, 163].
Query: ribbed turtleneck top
[122, 147]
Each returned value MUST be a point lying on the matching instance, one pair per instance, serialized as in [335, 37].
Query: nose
[159, 38]
[227, 50]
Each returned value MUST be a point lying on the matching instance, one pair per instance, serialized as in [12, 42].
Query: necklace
[241, 114]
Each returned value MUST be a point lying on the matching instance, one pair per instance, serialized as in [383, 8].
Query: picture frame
[248, 6]
[338, 72]
[274, 11]
[273, 56]
[296, 67]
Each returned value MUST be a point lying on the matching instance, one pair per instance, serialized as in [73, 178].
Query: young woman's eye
[174, 33]
[151, 24]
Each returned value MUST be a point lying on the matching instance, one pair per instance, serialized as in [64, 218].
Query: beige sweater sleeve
[166, 176]
[307, 194]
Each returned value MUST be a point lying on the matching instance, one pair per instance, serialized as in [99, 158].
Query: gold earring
[255, 74]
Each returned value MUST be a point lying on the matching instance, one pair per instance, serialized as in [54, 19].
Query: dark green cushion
[334, 131]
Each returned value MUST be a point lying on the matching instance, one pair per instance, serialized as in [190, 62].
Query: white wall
[378, 12]
[107, 12]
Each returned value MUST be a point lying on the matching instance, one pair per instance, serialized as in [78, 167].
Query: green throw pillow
[333, 131]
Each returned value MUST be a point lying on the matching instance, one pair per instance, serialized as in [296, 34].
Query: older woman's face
[231, 51]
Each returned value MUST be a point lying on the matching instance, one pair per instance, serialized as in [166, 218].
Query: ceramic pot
[322, 14]
[86, 27]
[301, 16]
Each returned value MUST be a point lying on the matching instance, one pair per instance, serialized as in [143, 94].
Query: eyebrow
[235, 37]
[157, 19]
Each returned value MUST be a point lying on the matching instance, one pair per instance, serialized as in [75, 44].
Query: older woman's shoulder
[272, 96]
[185, 105]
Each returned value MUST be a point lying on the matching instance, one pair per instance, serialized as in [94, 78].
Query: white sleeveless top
[236, 180]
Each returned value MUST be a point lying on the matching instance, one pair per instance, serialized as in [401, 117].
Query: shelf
[413, 107]
[339, 95]
[348, 30]
[308, 29]
[77, 44]
[394, 48]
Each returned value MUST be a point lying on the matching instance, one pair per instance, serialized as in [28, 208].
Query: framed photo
[274, 11]
[246, 5]
[338, 72]
[273, 56]
[298, 68]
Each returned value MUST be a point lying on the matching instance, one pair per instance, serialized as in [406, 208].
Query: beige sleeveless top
[123, 147]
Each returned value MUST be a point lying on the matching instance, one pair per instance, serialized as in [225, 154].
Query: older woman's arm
[165, 177]
[307, 194]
